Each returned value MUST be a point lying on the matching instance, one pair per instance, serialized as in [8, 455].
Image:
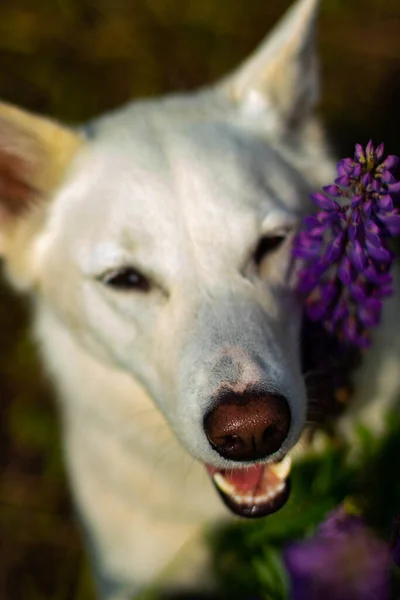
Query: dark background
[74, 59]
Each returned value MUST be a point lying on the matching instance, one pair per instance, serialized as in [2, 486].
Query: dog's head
[161, 236]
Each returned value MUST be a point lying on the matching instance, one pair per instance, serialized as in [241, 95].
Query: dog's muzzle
[245, 428]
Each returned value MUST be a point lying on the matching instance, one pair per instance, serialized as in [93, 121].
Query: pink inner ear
[16, 195]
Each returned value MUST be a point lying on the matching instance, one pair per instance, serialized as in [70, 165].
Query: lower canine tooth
[223, 484]
[281, 469]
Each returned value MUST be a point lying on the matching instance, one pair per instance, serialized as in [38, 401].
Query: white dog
[155, 244]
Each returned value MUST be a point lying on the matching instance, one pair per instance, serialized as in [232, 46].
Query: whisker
[126, 430]
[189, 468]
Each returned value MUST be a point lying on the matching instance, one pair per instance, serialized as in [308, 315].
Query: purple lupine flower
[344, 247]
[344, 561]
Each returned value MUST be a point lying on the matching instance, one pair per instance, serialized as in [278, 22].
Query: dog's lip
[255, 491]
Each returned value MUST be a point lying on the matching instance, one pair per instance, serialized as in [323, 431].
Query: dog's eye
[126, 278]
[267, 245]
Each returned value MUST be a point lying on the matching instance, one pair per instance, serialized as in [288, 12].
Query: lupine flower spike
[344, 246]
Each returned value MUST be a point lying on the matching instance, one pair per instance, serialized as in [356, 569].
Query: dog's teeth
[223, 484]
[249, 499]
[282, 469]
[270, 495]
[238, 499]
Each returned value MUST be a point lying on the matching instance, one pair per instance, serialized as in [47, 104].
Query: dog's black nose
[246, 427]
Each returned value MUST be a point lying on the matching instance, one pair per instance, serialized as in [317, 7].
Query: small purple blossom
[344, 561]
[344, 246]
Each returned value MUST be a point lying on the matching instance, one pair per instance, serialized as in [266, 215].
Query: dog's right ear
[278, 85]
[34, 155]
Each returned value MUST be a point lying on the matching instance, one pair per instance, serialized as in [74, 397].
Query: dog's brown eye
[266, 245]
[126, 278]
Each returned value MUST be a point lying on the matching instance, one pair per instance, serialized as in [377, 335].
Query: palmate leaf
[272, 575]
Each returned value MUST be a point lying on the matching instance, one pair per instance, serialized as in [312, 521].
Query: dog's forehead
[194, 162]
[163, 186]
[239, 169]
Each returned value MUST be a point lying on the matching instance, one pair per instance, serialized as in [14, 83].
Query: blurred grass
[74, 59]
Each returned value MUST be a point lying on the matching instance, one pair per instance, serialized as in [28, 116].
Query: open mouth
[256, 491]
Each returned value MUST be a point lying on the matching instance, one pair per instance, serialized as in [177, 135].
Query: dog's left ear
[280, 81]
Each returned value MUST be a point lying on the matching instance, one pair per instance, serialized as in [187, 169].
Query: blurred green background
[74, 59]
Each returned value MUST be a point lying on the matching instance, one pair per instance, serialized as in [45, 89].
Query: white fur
[182, 188]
